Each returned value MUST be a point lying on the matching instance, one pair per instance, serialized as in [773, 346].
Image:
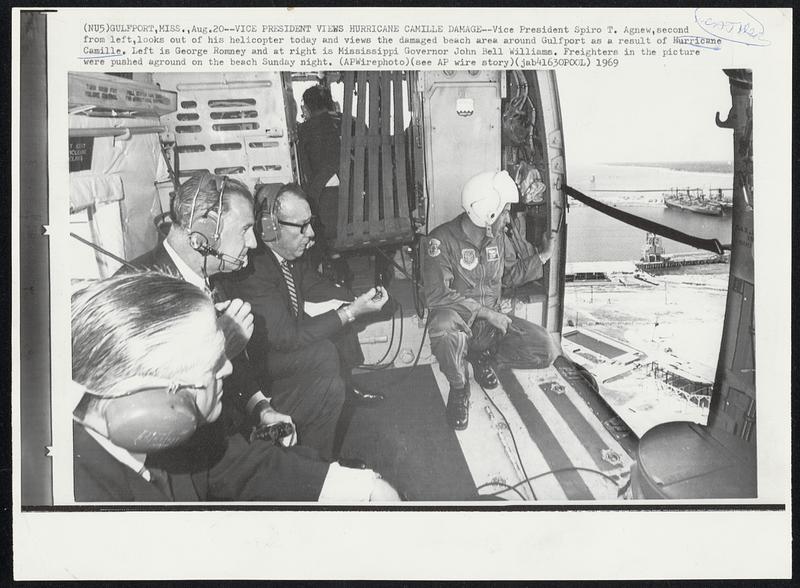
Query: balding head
[293, 216]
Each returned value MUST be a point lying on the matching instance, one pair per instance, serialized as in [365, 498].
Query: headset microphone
[198, 242]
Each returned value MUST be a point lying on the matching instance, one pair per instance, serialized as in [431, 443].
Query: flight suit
[461, 276]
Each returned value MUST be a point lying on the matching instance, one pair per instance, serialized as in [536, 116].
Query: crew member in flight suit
[465, 264]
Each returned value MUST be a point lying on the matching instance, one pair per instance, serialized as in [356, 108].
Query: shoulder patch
[434, 247]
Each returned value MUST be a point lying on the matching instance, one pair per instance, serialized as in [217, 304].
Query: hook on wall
[728, 122]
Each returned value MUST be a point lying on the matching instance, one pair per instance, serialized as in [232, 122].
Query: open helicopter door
[480, 120]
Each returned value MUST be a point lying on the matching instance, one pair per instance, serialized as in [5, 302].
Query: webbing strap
[644, 224]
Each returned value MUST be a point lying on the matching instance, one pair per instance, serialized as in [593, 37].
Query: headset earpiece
[268, 220]
[269, 227]
[204, 232]
[152, 419]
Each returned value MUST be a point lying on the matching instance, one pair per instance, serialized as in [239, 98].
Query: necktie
[287, 274]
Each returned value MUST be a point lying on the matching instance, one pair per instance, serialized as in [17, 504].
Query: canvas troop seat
[373, 208]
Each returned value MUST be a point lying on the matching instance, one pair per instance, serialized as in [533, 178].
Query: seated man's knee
[445, 322]
[322, 358]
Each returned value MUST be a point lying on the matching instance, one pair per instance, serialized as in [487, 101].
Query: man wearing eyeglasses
[306, 360]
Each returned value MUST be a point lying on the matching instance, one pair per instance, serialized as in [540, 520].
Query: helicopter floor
[534, 425]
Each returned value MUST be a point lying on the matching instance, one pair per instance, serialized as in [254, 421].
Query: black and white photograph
[290, 290]
[409, 287]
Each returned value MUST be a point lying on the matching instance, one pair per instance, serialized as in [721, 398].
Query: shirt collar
[186, 272]
[278, 256]
[135, 461]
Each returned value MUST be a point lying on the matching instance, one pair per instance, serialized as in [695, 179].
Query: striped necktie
[287, 274]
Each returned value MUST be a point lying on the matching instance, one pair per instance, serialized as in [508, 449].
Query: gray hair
[207, 200]
[139, 325]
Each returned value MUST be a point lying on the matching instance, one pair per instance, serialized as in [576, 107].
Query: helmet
[485, 195]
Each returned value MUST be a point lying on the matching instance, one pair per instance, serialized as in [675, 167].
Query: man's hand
[365, 304]
[236, 321]
[270, 416]
[546, 248]
[498, 320]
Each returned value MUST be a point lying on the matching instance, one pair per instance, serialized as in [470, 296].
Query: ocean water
[592, 236]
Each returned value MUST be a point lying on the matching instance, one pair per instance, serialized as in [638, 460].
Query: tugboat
[655, 259]
[693, 201]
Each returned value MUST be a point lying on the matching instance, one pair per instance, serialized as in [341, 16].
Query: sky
[652, 114]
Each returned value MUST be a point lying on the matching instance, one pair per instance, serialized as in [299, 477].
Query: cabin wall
[113, 195]
[234, 124]
[462, 134]
[733, 407]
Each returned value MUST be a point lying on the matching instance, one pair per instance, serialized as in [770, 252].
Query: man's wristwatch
[259, 407]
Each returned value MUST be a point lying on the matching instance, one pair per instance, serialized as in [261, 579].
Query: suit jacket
[157, 259]
[99, 477]
[239, 386]
[263, 285]
[210, 467]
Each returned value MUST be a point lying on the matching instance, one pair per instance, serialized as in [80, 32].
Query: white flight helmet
[485, 195]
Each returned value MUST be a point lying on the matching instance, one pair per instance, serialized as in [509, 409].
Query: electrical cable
[416, 270]
[514, 441]
[388, 348]
[561, 470]
[506, 487]
[104, 252]
[377, 366]
[416, 360]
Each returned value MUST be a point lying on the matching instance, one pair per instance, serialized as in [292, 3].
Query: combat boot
[458, 408]
[483, 369]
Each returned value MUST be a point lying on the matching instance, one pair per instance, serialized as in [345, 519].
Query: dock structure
[683, 384]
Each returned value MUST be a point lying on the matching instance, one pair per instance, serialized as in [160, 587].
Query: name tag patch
[492, 254]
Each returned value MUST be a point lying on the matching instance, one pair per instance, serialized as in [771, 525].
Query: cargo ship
[693, 201]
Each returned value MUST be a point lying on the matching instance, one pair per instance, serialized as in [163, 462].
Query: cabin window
[248, 126]
[226, 146]
[188, 128]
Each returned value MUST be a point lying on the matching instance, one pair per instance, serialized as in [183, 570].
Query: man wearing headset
[203, 243]
[142, 386]
[465, 264]
[307, 360]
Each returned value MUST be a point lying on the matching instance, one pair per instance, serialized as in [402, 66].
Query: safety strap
[644, 224]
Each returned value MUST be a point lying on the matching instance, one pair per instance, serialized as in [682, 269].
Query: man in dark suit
[143, 388]
[210, 234]
[306, 359]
